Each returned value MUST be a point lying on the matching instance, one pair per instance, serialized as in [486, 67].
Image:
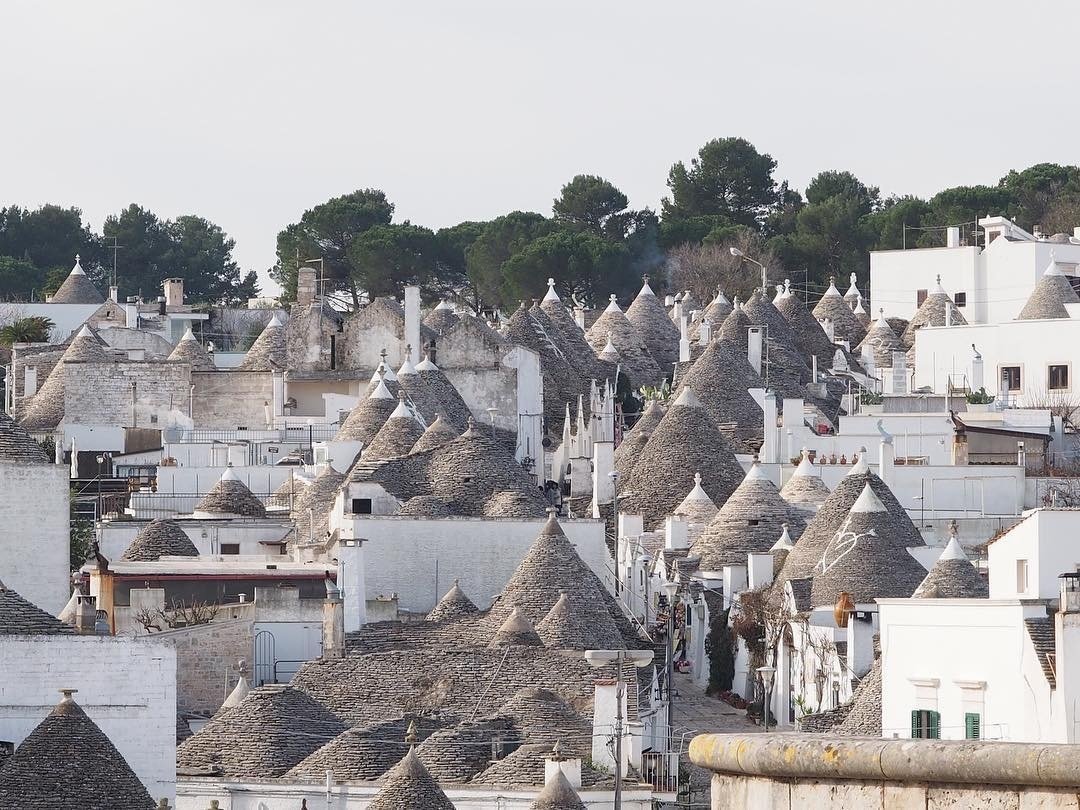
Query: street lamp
[614, 476]
[766, 673]
[311, 441]
[600, 659]
[738, 254]
[670, 590]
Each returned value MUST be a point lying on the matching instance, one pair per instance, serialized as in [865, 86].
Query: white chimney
[631, 525]
[704, 331]
[132, 313]
[735, 579]
[753, 348]
[952, 237]
[684, 339]
[603, 484]
[976, 369]
[860, 645]
[114, 291]
[770, 449]
[676, 533]
[29, 381]
[412, 316]
[759, 568]
[886, 458]
[605, 708]
[571, 769]
[352, 584]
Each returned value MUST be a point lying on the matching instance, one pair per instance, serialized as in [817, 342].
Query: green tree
[962, 205]
[581, 263]
[327, 231]
[1035, 189]
[34, 329]
[21, 280]
[729, 182]
[201, 253]
[387, 257]
[593, 204]
[142, 263]
[453, 245]
[501, 238]
[889, 221]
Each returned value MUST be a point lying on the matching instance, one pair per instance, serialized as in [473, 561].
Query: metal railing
[166, 504]
[300, 434]
[661, 770]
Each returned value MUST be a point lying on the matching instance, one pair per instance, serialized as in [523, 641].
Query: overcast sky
[248, 113]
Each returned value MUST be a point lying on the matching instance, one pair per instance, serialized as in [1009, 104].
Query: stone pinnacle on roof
[77, 288]
[269, 352]
[189, 350]
[230, 497]
[160, 538]
[1050, 295]
[426, 364]
[442, 319]
[860, 312]
[953, 577]
[407, 366]
[67, 761]
[697, 506]
[558, 794]
[239, 692]
[852, 296]
[517, 630]
[409, 786]
[638, 362]
[865, 557]
[551, 295]
[784, 542]
[397, 435]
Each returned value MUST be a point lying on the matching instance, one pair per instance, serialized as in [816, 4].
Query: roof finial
[939, 279]
[612, 298]
[410, 733]
[383, 354]
[67, 693]
[77, 257]
[697, 479]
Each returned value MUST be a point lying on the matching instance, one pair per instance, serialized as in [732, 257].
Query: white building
[989, 282]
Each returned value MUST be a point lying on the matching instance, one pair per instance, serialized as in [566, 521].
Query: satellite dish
[172, 434]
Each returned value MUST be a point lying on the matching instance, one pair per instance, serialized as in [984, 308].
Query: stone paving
[695, 713]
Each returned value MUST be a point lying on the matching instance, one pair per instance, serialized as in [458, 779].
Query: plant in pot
[979, 400]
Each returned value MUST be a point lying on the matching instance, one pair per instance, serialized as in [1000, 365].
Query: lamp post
[600, 659]
[614, 476]
[738, 254]
[670, 591]
[766, 673]
[311, 441]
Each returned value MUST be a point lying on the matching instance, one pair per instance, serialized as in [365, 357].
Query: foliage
[327, 232]
[582, 264]
[453, 246]
[660, 393]
[703, 269]
[593, 204]
[181, 614]
[48, 444]
[500, 240]
[759, 623]
[979, 397]
[721, 651]
[34, 329]
[868, 397]
[81, 541]
[388, 257]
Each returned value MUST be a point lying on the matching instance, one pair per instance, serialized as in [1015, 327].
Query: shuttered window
[925, 725]
[972, 723]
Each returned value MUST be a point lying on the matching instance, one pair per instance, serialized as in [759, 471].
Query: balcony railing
[661, 770]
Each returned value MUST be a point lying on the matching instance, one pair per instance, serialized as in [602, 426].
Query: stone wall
[206, 661]
[368, 332]
[34, 556]
[225, 400]
[127, 686]
[153, 343]
[308, 338]
[100, 393]
[803, 772]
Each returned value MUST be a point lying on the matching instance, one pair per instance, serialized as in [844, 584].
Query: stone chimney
[305, 286]
[412, 316]
[333, 629]
[174, 292]
[753, 347]
[351, 583]
[85, 613]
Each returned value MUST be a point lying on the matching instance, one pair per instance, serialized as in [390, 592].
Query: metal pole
[619, 690]
[671, 673]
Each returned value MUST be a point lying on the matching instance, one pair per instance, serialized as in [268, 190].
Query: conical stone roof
[21, 617]
[861, 314]
[735, 325]
[845, 325]
[543, 717]
[697, 507]
[516, 631]
[230, 496]
[397, 435]
[190, 351]
[953, 577]
[363, 422]
[629, 451]
[271, 731]
[805, 487]
[564, 628]
[453, 606]
[685, 442]
[558, 794]
[431, 393]
[313, 504]
[160, 538]
[721, 378]
[409, 786]
[881, 341]
[571, 336]
[425, 506]
[77, 288]
[46, 409]
[438, 433]
[441, 319]
[363, 753]
[809, 332]
[562, 382]
[67, 761]
[17, 446]
[932, 313]
[650, 318]
[269, 352]
[803, 559]
[716, 311]
[459, 753]
[552, 569]
[1052, 292]
[637, 361]
[650, 417]
[865, 558]
[748, 523]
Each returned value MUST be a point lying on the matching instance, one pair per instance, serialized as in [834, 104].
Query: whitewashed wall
[34, 541]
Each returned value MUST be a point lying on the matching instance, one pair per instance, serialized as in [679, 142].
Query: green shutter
[935, 725]
[916, 732]
[971, 726]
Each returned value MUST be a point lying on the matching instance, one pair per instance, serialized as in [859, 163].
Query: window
[960, 299]
[972, 722]
[925, 725]
[361, 506]
[1010, 377]
[1057, 379]
[1021, 576]
[920, 296]
[230, 548]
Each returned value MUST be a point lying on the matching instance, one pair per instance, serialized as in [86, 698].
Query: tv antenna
[116, 246]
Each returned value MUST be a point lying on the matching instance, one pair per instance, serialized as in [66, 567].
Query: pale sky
[248, 113]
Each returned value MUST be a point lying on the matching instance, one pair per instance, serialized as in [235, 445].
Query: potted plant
[979, 401]
[871, 402]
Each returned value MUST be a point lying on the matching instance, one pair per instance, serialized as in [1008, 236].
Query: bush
[721, 651]
[979, 397]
